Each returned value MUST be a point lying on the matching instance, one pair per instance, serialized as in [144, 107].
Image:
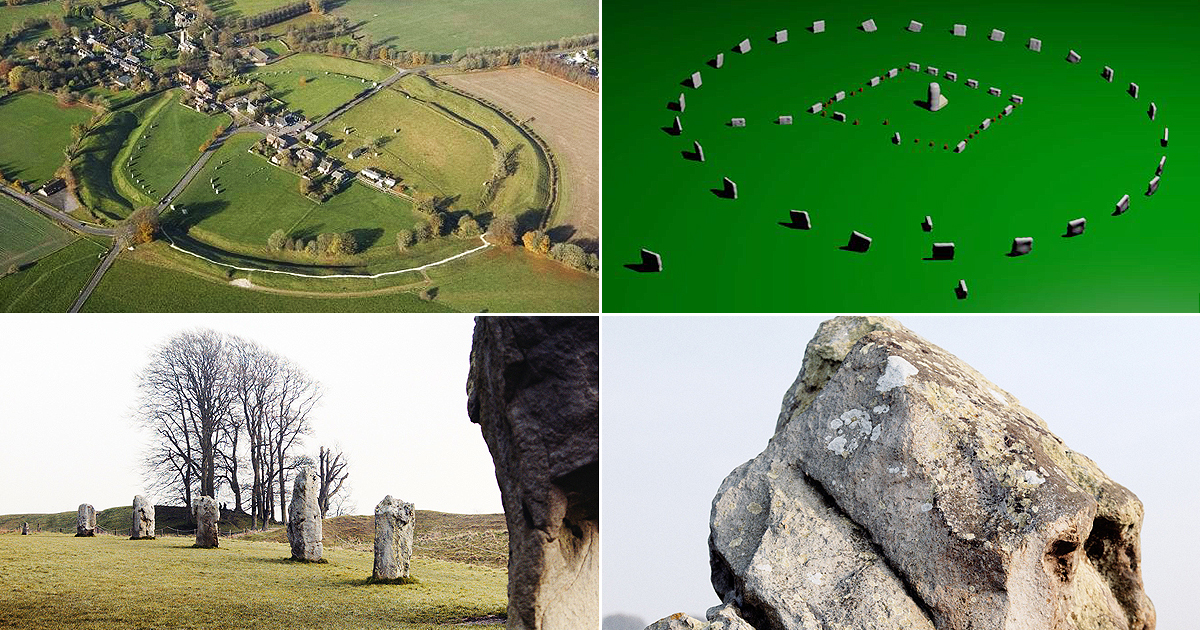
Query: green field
[258, 198]
[165, 144]
[15, 15]
[244, 8]
[36, 130]
[101, 187]
[512, 280]
[431, 151]
[51, 284]
[59, 581]
[315, 85]
[460, 24]
[1072, 150]
[26, 236]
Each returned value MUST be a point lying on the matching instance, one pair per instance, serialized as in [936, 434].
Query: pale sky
[687, 399]
[395, 400]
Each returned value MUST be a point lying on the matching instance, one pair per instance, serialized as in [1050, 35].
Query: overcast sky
[687, 399]
[395, 400]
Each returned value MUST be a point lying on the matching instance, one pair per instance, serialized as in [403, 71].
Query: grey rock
[893, 73]
[785, 120]
[1162, 163]
[1133, 90]
[1122, 205]
[304, 517]
[869, 26]
[961, 146]
[678, 621]
[914, 493]
[997, 35]
[85, 520]
[896, 138]
[533, 387]
[744, 46]
[1073, 57]
[1035, 44]
[737, 122]
[1076, 227]
[729, 618]
[1153, 187]
[394, 523]
[936, 100]
[816, 108]
[915, 67]
[839, 116]
[697, 80]
[1107, 74]
[720, 61]
[24, 529]
[915, 26]
[698, 150]
[972, 83]
[729, 187]
[818, 26]
[143, 519]
[840, 95]
[952, 76]
[960, 30]
[781, 36]
[1021, 245]
[874, 81]
[207, 513]
[1153, 111]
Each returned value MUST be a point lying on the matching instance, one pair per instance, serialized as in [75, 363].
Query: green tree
[404, 238]
[277, 240]
[16, 78]
[467, 227]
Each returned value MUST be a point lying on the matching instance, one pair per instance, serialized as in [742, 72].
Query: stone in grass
[696, 80]
[799, 220]
[785, 120]
[927, 224]
[698, 150]
[25, 529]
[720, 61]
[953, 76]
[839, 116]
[961, 290]
[781, 36]
[972, 83]
[1073, 57]
[987, 122]
[1153, 187]
[896, 138]
[935, 100]
[729, 188]
[960, 30]
[651, 263]
[994, 91]
[818, 26]
[1017, 98]
[744, 46]
[869, 26]
[943, 251]
[1008, 109]
[1035, 44]
[1161, 163]
[961, 146]
[1122, 205]
[142, 527]
[859, 242]
[681, 102]
[816, 108]
[874, 81]
[304, 517]
[85, 520]
[840, 95]
[1076, 227]
[1153, 111]
[394, 522]
[677, 126]
[932, 70]
[1133, 90]
[915, 26]
[893, 73]
[915, 67]
[206, 513]
[997, 35]
[1166, 136]
[1021, 246]
[737, 122]
[1107, 74]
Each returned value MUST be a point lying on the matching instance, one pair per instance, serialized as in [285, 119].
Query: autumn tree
[502, 230]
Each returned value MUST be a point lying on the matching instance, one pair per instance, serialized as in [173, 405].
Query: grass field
[511, 280]
[162, 147]
[51, 284]
[244, 8]
[258, 198]
[36, 129]
[430, 151]
[14, 15]
[59, 581]
[1072, 150]
[26, 236]
[101, 188]
[461, 24]
[315, 85]
[567, 117]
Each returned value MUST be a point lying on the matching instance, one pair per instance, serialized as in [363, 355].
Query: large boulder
[85, 520]
[304, 517]
[394, 523]
[207, 514]
[903, 489]
[143, 519]
[25, 529]
[533, 387]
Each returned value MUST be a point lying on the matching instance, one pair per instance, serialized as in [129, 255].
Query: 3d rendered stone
[720, 61]
[961, 146]
[304, 517]
[781, 36]
[1161, 163]
[874, 81]
[533, 387]
[142, 526]
[1122, 205]
[869, 26]
[698, 150]
[840, 95]
[915, 67]
[893, 73]
[859, 242]
[960, 30]
[818, 26]
[206, 513]
[1035, 44]
[394, 523]
[744, 46]
[1153, 187]
[927, 224]
[1076, 227]
[1073, 57]
[785, 120]
[952, 76]
[800, 219]
[737, 122]
[972, 83]
[697, 81]
[1017, 98]
[839, 116]
[994, 91]
[651, 262]
[1153, 111]
[1133, 90]
[896, 138]
[987, 122]
[932, 70]
[961, 290]
[915, 26]
[677, 126]
[935, 99]
[85, 520]
[943, 251]
[816, 108]
[1166, 136]
[997, 35]
[1021, 246]
[681, 102]
[1107, 74]
[1008, 109]
[729, 188]
[903, 490]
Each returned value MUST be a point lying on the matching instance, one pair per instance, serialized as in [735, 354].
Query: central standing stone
[85, 522]
[304, 517]
[207, 515]
[936, 100]
[394, 520]
[143, 519]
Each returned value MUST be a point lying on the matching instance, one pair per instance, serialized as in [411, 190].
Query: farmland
[315, 85]
[51, 284]
[568, 118]
[243, 8]
[36, 130]
[26, 236]
[15, 15]
[502, 280]
[93, 167]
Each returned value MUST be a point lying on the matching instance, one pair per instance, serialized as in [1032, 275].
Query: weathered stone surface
[304, 517]
[85, 520]
[24, 529]
[533, 387]
[207, 514]
[394, 522]
[143, 519]
[724, 617]
[904, 490]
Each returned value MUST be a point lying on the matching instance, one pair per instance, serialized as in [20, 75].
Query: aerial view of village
[313, 155]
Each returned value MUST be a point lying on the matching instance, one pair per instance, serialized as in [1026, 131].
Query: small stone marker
[1035, 44]
[85, 520]
[1021, 246]
[737, 122]
[936, 100]
[142, 526]
[682, 102]
[873, 82]
[800, 219]
[699, 151]
[994, 91]
[781, 36]
[997, 35]
[953, 76]
[1008, 110]
[1166, 136]
[818, 26]
[1073, 57]
[1153, 111]
[1153, 187]
[896, 138]
[24, 529]
[960, 30]
[1017, 98]
[869, 26]
[677, 126]
[696, 80]
[1075, 228]
[943, 251]
[207, 514]
[1123, 205]
[915, 26]
[730, 188]
[1161, 164]
[927, 224]
[785, 120]
[744, 46]
[720, 59]
[839, 116]
[891, 74]
[840, 96]
[859, 242]
[304, 517]
[1133, 90]
[931, 70]
[961, 146]
[816, 108]
[972, 83]
[915, 67]
[987, 122]
[394, 522]
[1107, 74]
[961, 290]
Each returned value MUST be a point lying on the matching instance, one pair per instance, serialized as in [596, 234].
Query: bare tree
[296, 396]
[332, 472]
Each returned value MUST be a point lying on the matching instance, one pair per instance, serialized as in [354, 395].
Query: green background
[1075, 146]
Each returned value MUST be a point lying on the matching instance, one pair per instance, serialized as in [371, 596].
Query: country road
[57, 215]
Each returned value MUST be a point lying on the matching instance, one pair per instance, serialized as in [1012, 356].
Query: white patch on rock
[762, 568]
[735, 542]
[852, 415]
[894, 376]
[999, 397]
[754, 508]
[893, 469]
[837, 445]
[836, 423]
[1032, 478]
[925, 507]
[880, 409]
[815, 578]
[875, 432]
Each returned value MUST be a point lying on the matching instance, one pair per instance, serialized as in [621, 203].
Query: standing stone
[1017, 98]
[1035, 44]
[744, 46]
[143, 519]
[927, 224]
[729, 188]
[874, 81]
[818, 26]
[816, 108]
[869, 26]
[720, 59]
[697, 81]
[677, 126]
[987, 122]
[839, 116]
[1153, 111]
[859, 242]
[1076, 227]
[893, 73]
[1122, 205]
[1021, 246]
[1161, 163]
[951, 76]
[961, 290]
[682, 102]
[896, 138]
[737, 122]
[207, 513]
[1008, 109]
[699, 151]
[943, 251]
[915, 26]
[997, 35]
[932, 70]
[1153, 187]
[781, 36]
[304, 517]
[394, 522]
[785, 120]
[960, 30]
[972, 83]
[800, 219]
[85, 520]
[840, 95]
[1107, 74]
[1133, 90]
[994, 91]
[915, 67]
[936, 100]
[651, 262]
[1166, 136]
[1073, 57]
[24, 529]
[912, 493]
[961, 146]
[533, 387]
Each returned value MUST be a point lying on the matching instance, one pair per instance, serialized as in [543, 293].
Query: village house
[339, 175]
[257, 56]
[51, 187]
[202, 86]
[369, 174]
[184, 19]
[311, 137]
[185, 78]
[387, 182]
[279, 157]
[306, 155]
[123, 81]
[327, 165]
[357, 152]
[279, 142]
